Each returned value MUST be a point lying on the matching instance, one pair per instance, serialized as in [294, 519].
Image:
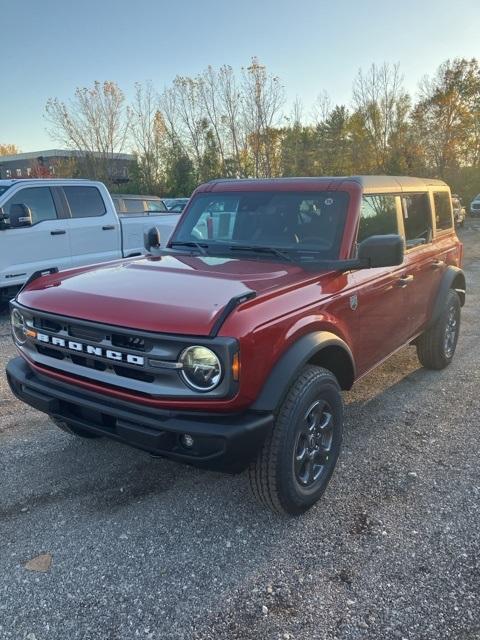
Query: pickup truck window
[417, 219]
[84, 202]
[3, 189]
[156, 205]
[443, 210]
[38, 199]
[378, 216]
[134, 205]
[290, 220]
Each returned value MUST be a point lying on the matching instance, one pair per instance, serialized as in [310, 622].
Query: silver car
[475, 206]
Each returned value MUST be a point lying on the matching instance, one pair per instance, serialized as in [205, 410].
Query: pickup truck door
[94, 229]
[45, 243]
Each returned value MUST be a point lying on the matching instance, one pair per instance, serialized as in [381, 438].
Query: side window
[378, 216]
[443, 210]
[84, 202]
[134, 205]
[156, 205]
[38, 199]
[417, 219]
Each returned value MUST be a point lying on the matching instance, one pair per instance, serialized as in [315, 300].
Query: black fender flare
[452, 278]
[287, 368]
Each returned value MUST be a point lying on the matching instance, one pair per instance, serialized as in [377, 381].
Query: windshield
[297, 222]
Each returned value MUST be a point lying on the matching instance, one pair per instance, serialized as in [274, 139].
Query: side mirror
[381, 251]
[152, 239]
[20, 216]
[3, 219]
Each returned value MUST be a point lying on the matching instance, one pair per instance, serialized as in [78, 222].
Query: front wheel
[436, 346]
[299, 455]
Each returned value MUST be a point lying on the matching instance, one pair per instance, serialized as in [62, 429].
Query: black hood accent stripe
[228, 308]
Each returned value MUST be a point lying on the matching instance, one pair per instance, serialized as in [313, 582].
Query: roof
[134, 195]
[377, 182]
[48, 181]
[62, 153]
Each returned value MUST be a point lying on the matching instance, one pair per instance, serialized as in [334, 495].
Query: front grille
[128, 342]
[91, 363]
[101, 341]
[50, 353]
[47, 325]
[85, 333]
[117, 357]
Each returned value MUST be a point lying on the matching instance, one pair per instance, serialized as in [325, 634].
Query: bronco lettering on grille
[79, 347]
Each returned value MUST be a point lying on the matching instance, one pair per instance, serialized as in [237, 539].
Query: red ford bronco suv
[228, 349]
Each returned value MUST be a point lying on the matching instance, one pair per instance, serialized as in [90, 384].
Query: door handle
[108, 227]
[436, 264]
[57, 232]
[404, 280]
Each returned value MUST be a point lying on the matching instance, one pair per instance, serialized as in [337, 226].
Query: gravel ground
[145, 548]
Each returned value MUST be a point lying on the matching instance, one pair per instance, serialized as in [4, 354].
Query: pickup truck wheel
[72, 430]
[299, 455]
[436, 346]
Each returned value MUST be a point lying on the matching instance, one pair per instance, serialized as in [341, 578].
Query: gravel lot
[146, 548]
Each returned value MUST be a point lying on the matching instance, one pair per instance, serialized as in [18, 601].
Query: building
[61, 162]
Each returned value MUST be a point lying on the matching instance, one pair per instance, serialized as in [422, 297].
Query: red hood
[182, 295]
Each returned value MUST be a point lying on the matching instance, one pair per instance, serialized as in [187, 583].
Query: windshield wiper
[260, 249]
[191, 243]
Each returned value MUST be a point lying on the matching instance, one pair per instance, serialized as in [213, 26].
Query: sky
[50, 47]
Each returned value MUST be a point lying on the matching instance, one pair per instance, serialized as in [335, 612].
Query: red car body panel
[185, 295]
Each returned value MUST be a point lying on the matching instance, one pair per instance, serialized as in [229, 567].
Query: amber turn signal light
[236, 367]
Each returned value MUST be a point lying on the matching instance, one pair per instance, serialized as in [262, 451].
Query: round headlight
[18, 326]
[201, 368]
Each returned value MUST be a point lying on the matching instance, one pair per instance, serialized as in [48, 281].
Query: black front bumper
[221, 442]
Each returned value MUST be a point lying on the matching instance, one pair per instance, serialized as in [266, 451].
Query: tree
[334, 142]
[447, 117]
[262, 99]
[149, 137]
[9, 149]
[382, 107]
[95, 122]
[180, 179]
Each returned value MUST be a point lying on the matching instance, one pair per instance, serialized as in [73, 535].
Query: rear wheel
[73, 430]
[299, 455]
[436, 346]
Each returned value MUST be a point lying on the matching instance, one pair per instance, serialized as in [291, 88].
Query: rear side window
[443, 210]
[84, 202]
[117, 204]
[417, 219]
[156, 205]
[134, 205]
[378, 216]
[38, 199]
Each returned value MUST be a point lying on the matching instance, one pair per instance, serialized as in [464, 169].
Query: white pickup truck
[64, 224]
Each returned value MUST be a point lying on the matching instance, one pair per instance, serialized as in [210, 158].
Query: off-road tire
[272, 476]
[73, 430]
[432, 348]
